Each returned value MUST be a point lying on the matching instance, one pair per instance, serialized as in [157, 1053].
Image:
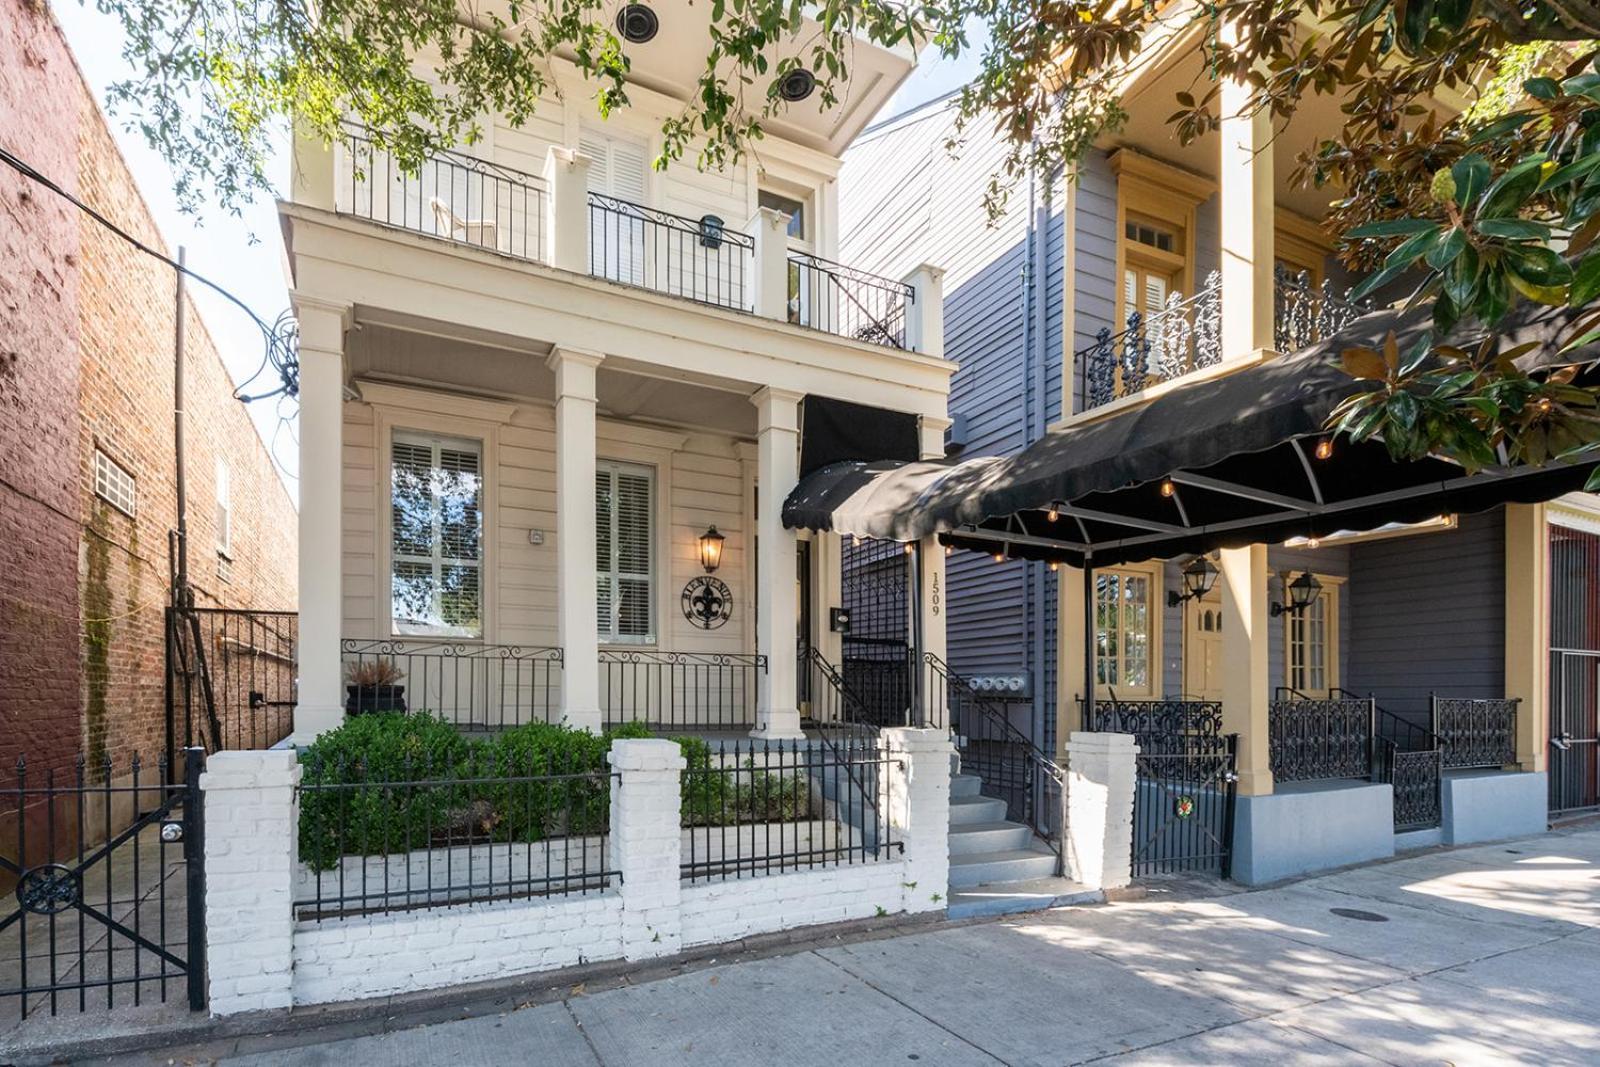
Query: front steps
[998, 867]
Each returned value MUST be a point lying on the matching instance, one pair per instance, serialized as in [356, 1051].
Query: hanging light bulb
[1054, 513]
[1324, 448]
[855, 541]
[949, 550]
[1545, 405]
[1054, 566]
[909, 547]
[1313, 541]
[999, 557]
[1168, 488]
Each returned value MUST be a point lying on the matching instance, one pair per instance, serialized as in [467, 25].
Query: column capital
[575, 372]
[566, 354]
[779, 408]
[321, 323]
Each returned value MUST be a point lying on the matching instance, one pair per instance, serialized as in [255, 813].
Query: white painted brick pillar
[646, 845]
[251, 852]
[919, 809]
[1099, 809]
[566, 209]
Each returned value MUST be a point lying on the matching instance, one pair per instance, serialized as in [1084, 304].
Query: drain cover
[1357, 913]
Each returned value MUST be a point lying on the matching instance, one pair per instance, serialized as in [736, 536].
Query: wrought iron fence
[1158, 726]
[1315, 739]
[1305, 313]
[451, 195]
[843, 300]
[1475, 733]
[680, 690]
[1183, 806]
[695, 259]
[1183, 337]
[436, 829]
[102, 868]
[231, 678]
[764, 807]
[1417, 780]
[1574, 766]
[470, 685]
[1007, 762]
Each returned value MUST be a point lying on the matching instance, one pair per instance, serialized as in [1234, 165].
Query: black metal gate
[230, 678]
[876, 650]
[108, 883]
[1183, 807]
[1574, 742]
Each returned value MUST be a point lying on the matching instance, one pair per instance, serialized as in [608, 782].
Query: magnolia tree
[1488, 211]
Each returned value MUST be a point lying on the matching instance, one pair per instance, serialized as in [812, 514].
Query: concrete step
[968, 839]
[965, 785]
[967, 810]
[1009, 898]
[1009, 865]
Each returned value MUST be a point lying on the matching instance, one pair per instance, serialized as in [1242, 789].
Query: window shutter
[624, 551]
[598, 149]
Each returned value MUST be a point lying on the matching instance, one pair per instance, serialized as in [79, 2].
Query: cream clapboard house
[541, 381]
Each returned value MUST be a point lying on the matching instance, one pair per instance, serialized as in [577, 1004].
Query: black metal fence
[1158, 726]
[842, 300]
[695, 259]
[470, 685]
[765, 807]
[1317, 739]
[451, 195]
[423, 831]
[680, 690]
[1305, 312]
[231, 678]
[876, 659]
[103, 868]
[1183, 805]
[1474, 732]
[1184, 336]
[1574, 765]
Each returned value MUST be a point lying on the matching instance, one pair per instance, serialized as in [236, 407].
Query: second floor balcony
[555, 219]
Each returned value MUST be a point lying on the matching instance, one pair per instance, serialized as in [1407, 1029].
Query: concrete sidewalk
[1480, 955]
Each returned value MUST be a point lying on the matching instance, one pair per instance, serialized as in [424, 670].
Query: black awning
[1212, 463]
[835, 431]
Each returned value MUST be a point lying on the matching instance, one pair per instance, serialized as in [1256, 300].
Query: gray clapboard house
[1097, 293]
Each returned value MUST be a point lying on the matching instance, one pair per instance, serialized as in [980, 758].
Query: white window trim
[653, 520]
[436, 558]
[1330, 595]
[108, 490]
[1152, 572]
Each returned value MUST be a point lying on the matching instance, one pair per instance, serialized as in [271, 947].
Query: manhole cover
[1357, 913]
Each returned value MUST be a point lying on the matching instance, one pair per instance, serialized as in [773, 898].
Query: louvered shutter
[624, 552]
[617, 231]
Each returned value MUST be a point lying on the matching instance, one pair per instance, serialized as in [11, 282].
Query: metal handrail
[879, 327]
[681, 223]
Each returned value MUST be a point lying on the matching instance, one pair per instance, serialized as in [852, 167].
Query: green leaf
[1512, 188]
[1542, 88]
[1570, 173]
[1441, 255]
[1514, 229]
[1538, 265]
[1494, 131]
[1585, 282]
[1472, 175]
[1377, 281]
[1461, 278]
[1393, 228]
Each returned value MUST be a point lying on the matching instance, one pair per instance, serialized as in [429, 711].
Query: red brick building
[87, 468]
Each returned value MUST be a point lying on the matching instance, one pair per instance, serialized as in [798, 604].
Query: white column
[251, 855]
[925, 312]
[647, 844]
[1242, 578]
[918, 780]
[566, 209]
[934, 599]
[1098, 841]
[770, 289]
[777, 607]
[320, 700]
[575, 537]
[1245, 196]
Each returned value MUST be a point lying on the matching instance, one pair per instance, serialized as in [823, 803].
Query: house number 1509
[936, 598]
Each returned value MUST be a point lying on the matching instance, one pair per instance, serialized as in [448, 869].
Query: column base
[590, 720]
[782, 724]
[312, 721]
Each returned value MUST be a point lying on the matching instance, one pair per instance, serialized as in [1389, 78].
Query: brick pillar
[1098, 841]
[251, 856]
[646, 843]
[918, 788]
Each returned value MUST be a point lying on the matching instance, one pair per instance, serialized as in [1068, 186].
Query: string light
[1167, 488]
[999, 557]
[1054, 513]
[1054, 566]
[908, 548]
[949, 550]
[855, 541]
[1545, 405]
[1313, 542]
[1324, 448]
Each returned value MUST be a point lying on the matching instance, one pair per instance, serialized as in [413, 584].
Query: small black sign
[707, 602]
[839, 620]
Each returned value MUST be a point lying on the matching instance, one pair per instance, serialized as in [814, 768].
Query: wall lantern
[1198, 578]
[1302, 591]
[711, 549]
[711, 228]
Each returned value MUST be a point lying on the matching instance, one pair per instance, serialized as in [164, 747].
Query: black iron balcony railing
[841, 300]
[1314, 739]
[1185, 336]
[1158, 726]
[694, 259]
[680, 690]
[1475, 733]
[470, 685]
[451, 195]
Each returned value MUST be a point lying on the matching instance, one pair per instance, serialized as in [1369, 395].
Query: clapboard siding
[1096, 252]
[1429, 614]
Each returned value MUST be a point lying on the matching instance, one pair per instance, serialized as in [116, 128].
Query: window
[1152, 271]
[1311, 644]
[1124, 630]
[436, 516]
[1157, 205]
[795, 209]
[224, 511]
[1160, 238]
[624, 511]
[113, 483]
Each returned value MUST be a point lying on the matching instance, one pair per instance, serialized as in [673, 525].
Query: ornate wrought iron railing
[451, 195]
[1305, 313]
[1012, 768]
[842, 300]
[1158, 726]
[1183, 337]
[680, 690]
[470, 685]
[1475, 733]
[692, 259]
[1410, 758]
[1316, 739]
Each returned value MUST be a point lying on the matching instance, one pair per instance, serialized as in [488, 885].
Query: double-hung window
[624, 510]
[436, 536]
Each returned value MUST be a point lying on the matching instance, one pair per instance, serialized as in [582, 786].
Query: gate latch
[1563, 743]
[172, 830]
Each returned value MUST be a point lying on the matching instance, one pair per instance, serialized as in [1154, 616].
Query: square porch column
[777, 606]
[1242, 576]
[1527, 608]
[1247, 221]
[576, 574]
[319, 705]
[933, 598]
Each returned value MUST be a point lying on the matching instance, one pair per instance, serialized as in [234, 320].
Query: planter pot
[362, 699]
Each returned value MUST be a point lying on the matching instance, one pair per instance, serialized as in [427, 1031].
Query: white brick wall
[1099, 804]
[728, 910]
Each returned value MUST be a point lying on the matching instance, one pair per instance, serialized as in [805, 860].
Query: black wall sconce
[1198, 578]
[1302, 591]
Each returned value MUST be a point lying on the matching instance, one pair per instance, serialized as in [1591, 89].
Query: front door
[1202, 647]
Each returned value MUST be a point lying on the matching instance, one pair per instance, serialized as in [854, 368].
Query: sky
[244, 252]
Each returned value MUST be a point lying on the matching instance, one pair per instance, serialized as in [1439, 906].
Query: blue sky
[244, 252]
